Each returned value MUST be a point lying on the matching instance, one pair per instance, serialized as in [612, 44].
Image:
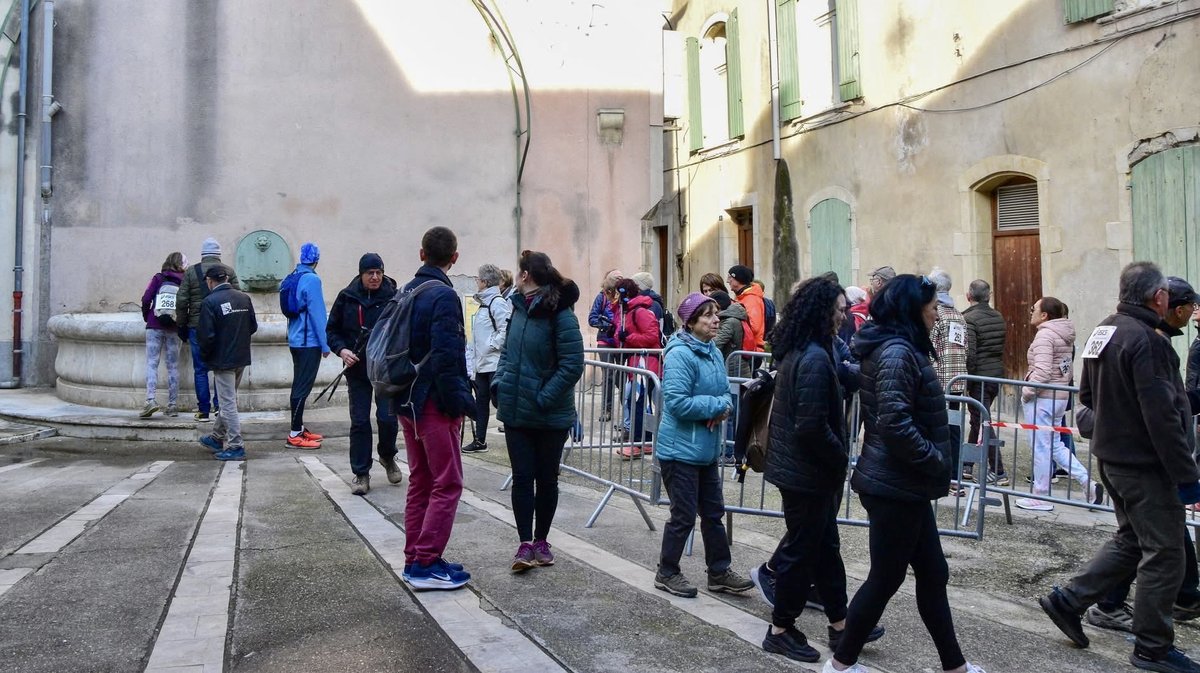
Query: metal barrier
[614, 433]
[1022, 453]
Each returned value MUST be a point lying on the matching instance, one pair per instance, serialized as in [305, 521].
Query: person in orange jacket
[750, 296]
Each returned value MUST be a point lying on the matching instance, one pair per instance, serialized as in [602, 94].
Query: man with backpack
[431, 414]
[354, 313]
[750, 295]
[302, 302]
[223, 332]
[192, 292]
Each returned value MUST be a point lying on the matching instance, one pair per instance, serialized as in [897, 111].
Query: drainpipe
[50, 107]
[19, 209]
[772, 22]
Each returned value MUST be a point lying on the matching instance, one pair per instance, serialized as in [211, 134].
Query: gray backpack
[390, 368]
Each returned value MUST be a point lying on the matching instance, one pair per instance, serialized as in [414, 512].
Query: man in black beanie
[354, 313]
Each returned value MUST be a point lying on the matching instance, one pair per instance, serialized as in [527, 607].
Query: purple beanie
[689, 306]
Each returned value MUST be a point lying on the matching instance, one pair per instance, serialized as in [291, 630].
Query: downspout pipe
[772, 22]
[19, 206]
[49, 106]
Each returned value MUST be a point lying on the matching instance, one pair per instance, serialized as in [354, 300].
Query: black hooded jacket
[354, 313]
[906, 453]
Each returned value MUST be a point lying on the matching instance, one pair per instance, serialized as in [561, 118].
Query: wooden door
[829, 239]
[1017, 274]
[743, 219]
[662, 240]
[1166, 218]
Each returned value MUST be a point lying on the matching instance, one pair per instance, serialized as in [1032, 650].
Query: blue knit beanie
[310, 253]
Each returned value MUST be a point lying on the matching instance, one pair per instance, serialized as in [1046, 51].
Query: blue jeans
[206, 398]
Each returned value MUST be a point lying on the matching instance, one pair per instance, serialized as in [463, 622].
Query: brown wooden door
[663, 241]
[744, 219]
[1017, 270]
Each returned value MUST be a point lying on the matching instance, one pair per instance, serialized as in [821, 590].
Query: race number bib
[957, 334]
[164, 301]
[1099, 339]
[1064, 366]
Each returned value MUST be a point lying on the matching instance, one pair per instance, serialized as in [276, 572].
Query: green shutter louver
[733, 76]
[1082, 10]
[846, 17]
[695, 127]
[789, 60]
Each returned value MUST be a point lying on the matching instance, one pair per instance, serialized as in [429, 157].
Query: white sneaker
[856, 668]
[1035, 505]
[972, 668]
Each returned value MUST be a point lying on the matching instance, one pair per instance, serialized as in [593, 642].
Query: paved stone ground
[119, 556]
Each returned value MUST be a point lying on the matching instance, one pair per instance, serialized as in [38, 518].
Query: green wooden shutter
[846, 17]
[829, 238]
[789, 60]
[733, 76]
[1082, 10]
[1166, 217]
[695, 127]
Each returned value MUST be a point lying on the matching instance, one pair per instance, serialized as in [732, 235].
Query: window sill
[821, 115]
[1136, 17]
[719, 149]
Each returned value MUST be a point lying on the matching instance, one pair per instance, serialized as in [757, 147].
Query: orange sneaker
[311, 436]
[299, 442]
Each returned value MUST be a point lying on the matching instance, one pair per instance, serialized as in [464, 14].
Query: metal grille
[1017, 207]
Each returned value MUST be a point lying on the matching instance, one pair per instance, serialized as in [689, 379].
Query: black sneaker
[475, 447]
[835, 636]
[1174, 661]
[791, 644]
[1186, 612]
[1066, 619]
[764, 578]
[729, 581]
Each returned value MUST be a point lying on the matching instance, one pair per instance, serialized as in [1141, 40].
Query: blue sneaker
[435, 576]
[212, 444]
[231, 454]
[452, 567]
[764, 578]
[1174, 661]
[407, 571]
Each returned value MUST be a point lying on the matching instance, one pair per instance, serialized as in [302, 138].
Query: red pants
[434, 485]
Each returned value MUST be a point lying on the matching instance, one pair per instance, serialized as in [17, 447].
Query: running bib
[957, 334]
[1099, 339]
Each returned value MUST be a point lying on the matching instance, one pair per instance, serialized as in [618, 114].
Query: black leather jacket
[226, 323]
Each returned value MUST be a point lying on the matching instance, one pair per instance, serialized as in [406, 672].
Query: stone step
[14, 433]
[40, 408]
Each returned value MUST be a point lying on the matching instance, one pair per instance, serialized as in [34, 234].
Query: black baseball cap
[217, 272]
[1180, 292]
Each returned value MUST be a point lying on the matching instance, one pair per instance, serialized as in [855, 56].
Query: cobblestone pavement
[118, 556]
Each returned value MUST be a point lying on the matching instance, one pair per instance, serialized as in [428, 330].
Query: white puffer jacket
[1050, 358]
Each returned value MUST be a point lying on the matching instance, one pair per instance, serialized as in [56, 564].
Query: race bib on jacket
[1064, 366]
[957, 334]
[1099, 339]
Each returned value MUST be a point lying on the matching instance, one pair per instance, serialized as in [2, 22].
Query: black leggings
[483, 404]
[535, 454]
[902, 534]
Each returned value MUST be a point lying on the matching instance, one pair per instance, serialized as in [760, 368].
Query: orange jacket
[751, 297]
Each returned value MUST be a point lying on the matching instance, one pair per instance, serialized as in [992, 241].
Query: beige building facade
[356, 124]
[1039, 145]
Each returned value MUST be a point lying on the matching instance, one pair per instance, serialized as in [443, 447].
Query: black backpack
[757, 396]
[389, 366]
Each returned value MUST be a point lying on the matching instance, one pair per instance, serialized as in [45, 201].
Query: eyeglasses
[924, 281]
[1033, 309]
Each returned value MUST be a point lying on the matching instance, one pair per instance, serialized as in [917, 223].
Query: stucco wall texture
[907, 173]
[356, 124]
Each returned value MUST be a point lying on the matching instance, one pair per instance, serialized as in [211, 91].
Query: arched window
[715, 83]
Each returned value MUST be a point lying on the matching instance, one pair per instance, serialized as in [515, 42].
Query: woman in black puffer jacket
[807, 458]
[905, 463]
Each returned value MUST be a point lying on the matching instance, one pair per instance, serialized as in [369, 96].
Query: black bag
[389, 366]
[756, 398]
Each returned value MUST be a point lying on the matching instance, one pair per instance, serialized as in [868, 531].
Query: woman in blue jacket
[534, 389]
[695, 400]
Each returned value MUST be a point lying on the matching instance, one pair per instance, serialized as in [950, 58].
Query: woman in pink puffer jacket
[1050, 361]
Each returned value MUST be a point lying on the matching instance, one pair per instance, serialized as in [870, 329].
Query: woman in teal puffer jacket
[535, 391]
[695, 401]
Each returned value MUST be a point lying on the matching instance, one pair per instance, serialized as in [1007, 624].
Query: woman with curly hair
[807, 458]
[904, 464]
